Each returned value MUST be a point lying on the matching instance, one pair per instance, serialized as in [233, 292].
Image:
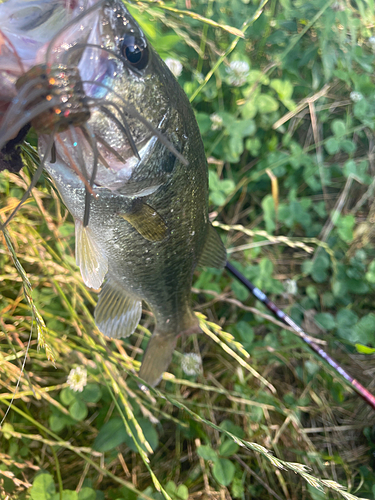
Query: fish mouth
[74, 162]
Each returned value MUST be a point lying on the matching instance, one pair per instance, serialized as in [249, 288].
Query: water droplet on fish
[171, 210]
[192, 233]
[116, 245]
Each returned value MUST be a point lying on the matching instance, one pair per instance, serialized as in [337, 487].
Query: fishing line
[287, 320]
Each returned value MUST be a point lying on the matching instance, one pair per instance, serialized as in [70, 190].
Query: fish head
[85, 72]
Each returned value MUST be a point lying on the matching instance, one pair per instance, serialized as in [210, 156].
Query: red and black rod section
[287, 320]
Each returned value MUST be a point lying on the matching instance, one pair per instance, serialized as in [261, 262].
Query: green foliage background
[287, 115]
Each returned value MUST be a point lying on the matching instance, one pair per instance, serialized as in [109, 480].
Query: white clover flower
[238, 72]
[77, 378]
[290, 287]
[191, 363]
[217, 122]
[174, 65]
[356, 96]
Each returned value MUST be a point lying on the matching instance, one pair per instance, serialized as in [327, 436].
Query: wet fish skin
[148, 234]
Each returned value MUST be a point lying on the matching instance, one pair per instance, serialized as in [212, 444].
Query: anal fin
[117, 312]
[146, 221]
[214, 253]
[91, 260]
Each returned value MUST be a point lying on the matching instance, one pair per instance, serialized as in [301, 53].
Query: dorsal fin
[89, 257]
[214, 253]
[117, 312]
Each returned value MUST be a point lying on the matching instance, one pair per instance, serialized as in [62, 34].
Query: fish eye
[135, 51]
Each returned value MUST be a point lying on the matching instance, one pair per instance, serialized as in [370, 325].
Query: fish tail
[159, 351]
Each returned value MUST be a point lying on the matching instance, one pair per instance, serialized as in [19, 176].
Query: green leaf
[78, 410]
[267, 104]
[370, 275]
[228, 448]
[243, 128]
[319, 269]
[350, 168]
[338, 128]
[204, 122]
[207, 453]
[7, 427]
[67, 396]
[236, 147]
[240, 291]
[326, 320]
[92, 393]
[245, 331]
[256, 76]
[112, 434]
[348, 146]
[284, 88]
[43, 487]
[332, 146]
[87, 494]
[364, 329]
[345, 226]
[269, 214]
[346, 319]
[363, 349]
[237, 488]
[58, 421]
[223, 471]
[234, 429]
[171, 488]
[249, 109]
[182, 492]
[253, 146]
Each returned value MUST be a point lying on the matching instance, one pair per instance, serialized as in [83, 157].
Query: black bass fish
[119, 138]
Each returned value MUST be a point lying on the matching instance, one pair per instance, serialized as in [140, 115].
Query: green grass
[291, 191]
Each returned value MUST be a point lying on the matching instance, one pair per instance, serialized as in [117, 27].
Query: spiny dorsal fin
[89, 257]
[214, 253]
[117, 313]
[146, 221]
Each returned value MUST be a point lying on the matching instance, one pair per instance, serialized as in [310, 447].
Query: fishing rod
[287, 320]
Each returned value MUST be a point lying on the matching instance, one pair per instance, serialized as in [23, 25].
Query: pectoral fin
[146, 221]
[117, 313]
[91, 260]
[214, 253]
